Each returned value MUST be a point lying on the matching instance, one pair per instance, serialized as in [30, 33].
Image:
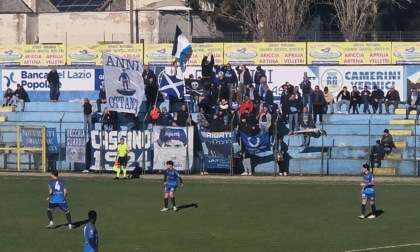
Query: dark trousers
[54, 91]
[374, 159]
[98, 104]
[284, 166]
[317, 108]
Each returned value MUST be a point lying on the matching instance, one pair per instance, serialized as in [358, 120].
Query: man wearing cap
[413, 103]
[368, 192]
[377, 99]
[377, 154]
[392, 98]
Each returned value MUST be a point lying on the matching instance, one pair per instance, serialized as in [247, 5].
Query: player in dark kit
[368, 192]
[57, 193]
[171, 183]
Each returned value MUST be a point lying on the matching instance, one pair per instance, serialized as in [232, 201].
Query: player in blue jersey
[368, 192]
[90, 234]
[171, 183]
[124, 78]
[57, 193]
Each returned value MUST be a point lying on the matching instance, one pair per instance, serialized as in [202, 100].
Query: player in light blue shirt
[57, 193]
[124, 78]
[170, 181]
[90, 234]
[368, 192]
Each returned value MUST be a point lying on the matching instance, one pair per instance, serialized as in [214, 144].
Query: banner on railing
[92, 54]
[76, 145]
[405, 52]
[108, 142]
[33, 55]
[256, 144]
[173, 143]
[349, 53]
[217, 147]
[265, 53]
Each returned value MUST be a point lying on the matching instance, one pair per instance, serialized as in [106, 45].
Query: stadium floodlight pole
[231, 144]
[131, 23]
[275, 145]
[59, 147]
[143, 145]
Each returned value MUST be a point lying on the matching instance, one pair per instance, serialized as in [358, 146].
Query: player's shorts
[122, 161]
[88, 248]
[369, 193]
[170, 188]
[63, 206]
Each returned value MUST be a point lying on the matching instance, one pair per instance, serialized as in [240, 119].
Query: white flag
[123, 83]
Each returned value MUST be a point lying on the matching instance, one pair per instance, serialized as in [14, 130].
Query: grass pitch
[215, 215]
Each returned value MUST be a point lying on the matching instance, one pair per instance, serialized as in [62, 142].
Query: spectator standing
[244, 78]
[329, 100]
[306, 122]
[101, 99]
[231, 79]
[377, 99]
[165, 118]
[21, 96]
[107, 120]
[377, 154]
[318, 101]
[306, 88]
[355, 100]
[182, 118]
[392, 98]
[152, 89]
[282, 156]
[207, 65]
[235, 98]
[345, 100]
[260, 79]
[8, 98]
[264, 121]
[293, 108]
[366, 97]
[279, 122]
[87, 114]
[268, 97]
[413, 103]
[53, 79]
[91, 234]
[203, 120]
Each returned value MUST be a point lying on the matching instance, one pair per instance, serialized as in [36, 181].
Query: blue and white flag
[182, 49]
[171, 85]
[217, 148]
[256, 144]
[124, 83]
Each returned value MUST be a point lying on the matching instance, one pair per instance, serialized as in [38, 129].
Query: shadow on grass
[195, 205]
[378, 213]
[75, 224]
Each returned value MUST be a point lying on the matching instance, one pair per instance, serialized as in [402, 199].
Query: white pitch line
[386, 247]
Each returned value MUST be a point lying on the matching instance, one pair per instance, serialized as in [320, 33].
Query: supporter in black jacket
[152, 89]
[21, 96]
[102, 98]
[377, 99]
[54, 81]
[182, 117]
[165, 118]
[392, 98]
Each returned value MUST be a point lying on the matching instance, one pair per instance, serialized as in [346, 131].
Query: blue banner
[32, 138]
[52, 143]
[217, 148]
[256, 144]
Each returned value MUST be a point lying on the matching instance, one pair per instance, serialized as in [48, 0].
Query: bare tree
[354, 17]
[268, 20]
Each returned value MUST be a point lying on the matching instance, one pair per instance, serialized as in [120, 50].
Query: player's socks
[118, 172]
[68, 216]
[166, 202]
[363, 209]
[173, 201]
[49, 214]
[373, 209]
[124, 172]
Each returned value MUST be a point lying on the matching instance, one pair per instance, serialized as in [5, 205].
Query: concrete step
[401, 144]
[8, 109]
[400, 132]
[385, 171]
[402, 122]
[401, 111]
[3, 118]
[393, 156]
